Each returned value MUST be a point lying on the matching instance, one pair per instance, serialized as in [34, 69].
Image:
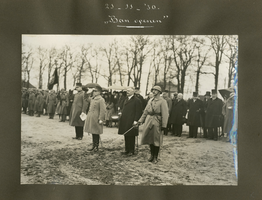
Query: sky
[58, 41]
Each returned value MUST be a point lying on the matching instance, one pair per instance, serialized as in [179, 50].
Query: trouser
[177, 129]
[51, 115]
[95, 138]
[205, 132]
[154, 150]
[130, 144]
[25, 109]
[212, 133]
[79, 131]
[63, 118]
[193, 131]
[31, 113]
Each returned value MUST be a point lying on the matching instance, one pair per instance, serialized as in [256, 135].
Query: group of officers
[159, 114]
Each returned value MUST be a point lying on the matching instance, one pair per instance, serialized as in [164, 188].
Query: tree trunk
[197, 80]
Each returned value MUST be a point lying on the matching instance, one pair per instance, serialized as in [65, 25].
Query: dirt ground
[49, 155]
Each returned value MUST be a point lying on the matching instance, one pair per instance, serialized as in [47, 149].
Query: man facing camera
[79, 106]
[131, 112]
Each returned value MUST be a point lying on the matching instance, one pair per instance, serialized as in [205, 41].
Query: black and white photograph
[136, 110]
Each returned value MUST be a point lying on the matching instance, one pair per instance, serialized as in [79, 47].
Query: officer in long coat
[45, 105]
[155, 117]
[25, 97]
[213, 116]
[205, 104]
[95, 117]
[79, 106]
[70, 99]
[39, 103]
[31, 100]
[195, 107]
[62, 111]
[51, 104]
[131, 112]
[177, 115]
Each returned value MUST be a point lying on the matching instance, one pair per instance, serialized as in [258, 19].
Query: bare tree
[27, 62]
[201, 56]
[231, 54]
[218, 43]
[139, 52]
[183, 48]
[167, 57]
[42, 64]
[67, 62]
[109, 53]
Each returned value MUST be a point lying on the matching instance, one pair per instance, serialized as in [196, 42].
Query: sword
[128, 130]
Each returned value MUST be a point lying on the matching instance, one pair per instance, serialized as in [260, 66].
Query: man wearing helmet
[155, 117]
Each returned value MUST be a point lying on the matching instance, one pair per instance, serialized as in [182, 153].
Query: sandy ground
[49, 155]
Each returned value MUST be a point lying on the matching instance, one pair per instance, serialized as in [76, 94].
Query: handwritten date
[131, 7]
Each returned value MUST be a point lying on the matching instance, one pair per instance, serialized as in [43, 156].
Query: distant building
[171, 87]
[27, 85]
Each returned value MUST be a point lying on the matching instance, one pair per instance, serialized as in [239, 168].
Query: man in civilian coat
[213, 116]
[169, 104]
[177, 114]
[195, 107]
[131, 112]
[79, 106]
[205, 104]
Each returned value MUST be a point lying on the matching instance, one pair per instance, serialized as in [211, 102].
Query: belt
[152, 114]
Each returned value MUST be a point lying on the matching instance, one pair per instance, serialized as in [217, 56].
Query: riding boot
[156, 151]
[107, 123]
[152, 153]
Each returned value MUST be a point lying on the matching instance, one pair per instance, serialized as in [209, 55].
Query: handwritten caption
[136, 23]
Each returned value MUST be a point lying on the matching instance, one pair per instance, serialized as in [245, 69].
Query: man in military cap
[79, 106]
[195, 107]
[213, 116]
[154, 117]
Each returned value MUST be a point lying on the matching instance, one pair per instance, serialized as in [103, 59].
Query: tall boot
[107, 122]
[156, 151]
[152, 153]
[96, 147]
[94, 143]
[38, 114]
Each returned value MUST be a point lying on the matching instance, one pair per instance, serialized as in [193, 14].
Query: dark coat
[51, 103]
[62, 109]
[214, 113]
[79, 105]
[132, 111]
[194, 114]
[178, 111]
[39, 102]
[31, 101]
[142, 100]
[25, 97]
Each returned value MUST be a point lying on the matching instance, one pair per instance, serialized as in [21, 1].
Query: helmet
[156, 87]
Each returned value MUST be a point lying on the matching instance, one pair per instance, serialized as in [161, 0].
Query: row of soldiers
[38, 101]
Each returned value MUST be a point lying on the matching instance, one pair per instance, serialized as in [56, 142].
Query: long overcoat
[110, 109]
[155, 116]
[39, 102]
[179, 109]
[25, 99]
[196, 109]
[36, 102]
[214, 113]
[96, 112]
[51, 103]
[79, 105]
[132, 111]
[62, 109]
[31, 101]
[228, 114]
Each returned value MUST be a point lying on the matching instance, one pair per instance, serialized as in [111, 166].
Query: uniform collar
[97, 97]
